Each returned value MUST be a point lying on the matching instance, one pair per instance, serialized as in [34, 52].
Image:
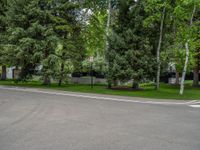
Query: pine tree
[197, 49]
[70, 51]
[130, 54]
[3, 6]
[30, 36]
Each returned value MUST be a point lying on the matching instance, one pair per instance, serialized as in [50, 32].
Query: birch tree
[159, 47]
[157, 13]
[187, 51]
[108, 24]
[107, 35]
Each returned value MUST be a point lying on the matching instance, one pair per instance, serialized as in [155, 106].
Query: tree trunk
[60, 82]
[158, 49]
[196, 76]
[185, 68]
[47, 80]
[108, 23]
[135, 85]
[187, 56]
[107, 35]
[115, 82]
[4, 73]
[177, 78]
[61, 77]
[109, 84]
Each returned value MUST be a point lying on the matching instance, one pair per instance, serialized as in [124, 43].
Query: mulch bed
[125, 88]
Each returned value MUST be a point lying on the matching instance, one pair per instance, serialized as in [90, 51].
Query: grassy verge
[166, 91]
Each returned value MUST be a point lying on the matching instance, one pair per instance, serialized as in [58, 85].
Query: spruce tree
[3, 7]
[130, 53]
[197, 48]
[30, 36]
[70, 52]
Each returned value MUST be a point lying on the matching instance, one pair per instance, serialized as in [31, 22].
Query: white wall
[10, 72]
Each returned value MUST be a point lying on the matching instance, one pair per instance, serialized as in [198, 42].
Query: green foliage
[27, 35]
[60, 35]
[95, 34]
[130, 53]
[3, 5]
[181, 33]
[70, 51]
[99, 65]
[36, 28]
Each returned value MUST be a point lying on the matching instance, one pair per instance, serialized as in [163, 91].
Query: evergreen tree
[30, 35]
[3, 7]
[130, 53]
[70, 51]
[45, 33]
[197, 48]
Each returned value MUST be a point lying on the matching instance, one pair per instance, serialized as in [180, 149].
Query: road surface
[47, 120]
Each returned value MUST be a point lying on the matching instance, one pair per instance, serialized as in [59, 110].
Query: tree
[159, 47]
[70, 51]
[47, 34]
[197, 49]
[130, 54]
[95, 32]
[157, 13]
[28, 35]
[3, 5]
[107, 36]
[185, 30]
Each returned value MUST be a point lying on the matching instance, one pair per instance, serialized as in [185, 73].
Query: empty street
[52, 120]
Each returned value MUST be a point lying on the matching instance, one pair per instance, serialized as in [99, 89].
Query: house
[11, 73]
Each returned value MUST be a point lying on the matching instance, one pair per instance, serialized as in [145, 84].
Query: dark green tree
[130, 54]
[3, 7]
[30, 36]
[67, 26]
[197, 49]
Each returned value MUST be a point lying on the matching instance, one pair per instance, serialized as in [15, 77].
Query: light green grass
[166, 91]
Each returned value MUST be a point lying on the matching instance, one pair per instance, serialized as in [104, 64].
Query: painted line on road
[195, 106]
[193, 102]
[97, 97]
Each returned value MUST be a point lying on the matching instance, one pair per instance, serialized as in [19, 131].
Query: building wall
[87, 80]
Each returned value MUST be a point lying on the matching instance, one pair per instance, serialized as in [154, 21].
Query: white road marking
[192, 102]
[97, 97]
[195, 106]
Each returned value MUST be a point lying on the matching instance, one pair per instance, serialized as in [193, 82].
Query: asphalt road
[44, 121]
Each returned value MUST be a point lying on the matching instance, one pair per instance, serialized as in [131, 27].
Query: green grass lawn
[166, 91]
